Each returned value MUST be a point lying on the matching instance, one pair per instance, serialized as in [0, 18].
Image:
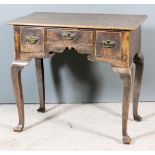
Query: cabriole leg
[16, 69]
[126, 76]
[139, 65]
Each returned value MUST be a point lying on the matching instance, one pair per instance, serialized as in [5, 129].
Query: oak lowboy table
[114, 39]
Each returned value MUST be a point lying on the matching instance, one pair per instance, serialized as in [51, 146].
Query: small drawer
[108, 43]
[32, 39]
[58, 39]
[68, 36]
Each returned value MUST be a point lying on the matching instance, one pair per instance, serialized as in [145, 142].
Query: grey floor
[76, 127]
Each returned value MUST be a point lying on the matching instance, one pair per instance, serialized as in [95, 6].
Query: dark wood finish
[114, 39]
[139, 64]
[40, 79]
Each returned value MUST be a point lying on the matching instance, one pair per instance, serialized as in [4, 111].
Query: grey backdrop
[74, 79]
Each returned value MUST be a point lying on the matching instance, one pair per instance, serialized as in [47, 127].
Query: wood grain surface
[82, 20]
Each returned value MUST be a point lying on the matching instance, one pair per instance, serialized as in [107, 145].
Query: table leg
[139, 65]
[16, 69]
[40, 79]
[126, 76]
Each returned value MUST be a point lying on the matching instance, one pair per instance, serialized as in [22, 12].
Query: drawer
[59, 39]
[108, 44]
[70, 36]
[31, 39]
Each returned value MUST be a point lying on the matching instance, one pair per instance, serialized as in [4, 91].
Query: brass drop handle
[108, 43]
[31, 39]
[69, 35]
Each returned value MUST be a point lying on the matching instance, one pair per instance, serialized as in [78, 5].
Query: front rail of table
[114, 39]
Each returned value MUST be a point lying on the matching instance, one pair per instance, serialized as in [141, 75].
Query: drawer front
[59, 39]
[69, 36]
[108, 44]
[32, 39]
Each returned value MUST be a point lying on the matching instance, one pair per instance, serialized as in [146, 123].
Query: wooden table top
[82, 20]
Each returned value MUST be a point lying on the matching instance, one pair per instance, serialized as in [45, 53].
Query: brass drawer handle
[108, 43]
[69, 35]
[31, 39]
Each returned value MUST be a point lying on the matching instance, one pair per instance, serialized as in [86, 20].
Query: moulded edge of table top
[81, 20]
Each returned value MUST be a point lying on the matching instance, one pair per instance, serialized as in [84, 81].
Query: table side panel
[135, 43]
[17, 46]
